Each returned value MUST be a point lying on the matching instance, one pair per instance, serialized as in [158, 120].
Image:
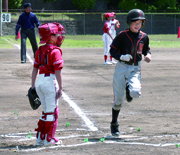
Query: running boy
[128, 48]
[107, 37]
[48, 61]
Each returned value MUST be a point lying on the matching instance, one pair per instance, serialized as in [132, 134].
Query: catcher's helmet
[47, 29]
[134, 15]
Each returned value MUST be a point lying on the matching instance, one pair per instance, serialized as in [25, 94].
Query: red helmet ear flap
[60, 40]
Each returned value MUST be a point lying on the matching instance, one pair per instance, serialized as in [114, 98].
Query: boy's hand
[59, 93]
[126, 57]
[147, 58]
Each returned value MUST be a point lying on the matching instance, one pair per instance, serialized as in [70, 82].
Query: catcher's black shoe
[128, 97]
[115, 129]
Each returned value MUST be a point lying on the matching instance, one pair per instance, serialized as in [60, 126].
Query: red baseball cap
[113, 13]
[108, 15]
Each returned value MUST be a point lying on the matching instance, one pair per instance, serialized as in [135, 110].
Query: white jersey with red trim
[113, 29]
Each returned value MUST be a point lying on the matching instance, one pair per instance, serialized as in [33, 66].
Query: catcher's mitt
[33, 98]
[117, 25]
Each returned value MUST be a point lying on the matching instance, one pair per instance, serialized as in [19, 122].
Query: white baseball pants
[126, 74]
[107, 42]
[46, 88]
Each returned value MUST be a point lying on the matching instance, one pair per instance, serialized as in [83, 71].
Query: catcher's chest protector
[43, 56]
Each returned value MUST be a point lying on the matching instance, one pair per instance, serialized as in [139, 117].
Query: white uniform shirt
[113, 29]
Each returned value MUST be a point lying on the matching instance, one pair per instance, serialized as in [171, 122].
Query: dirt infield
[88, 86]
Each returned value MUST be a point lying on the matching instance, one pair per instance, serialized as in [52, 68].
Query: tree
[112, 4]
[14, 4]
[48, 1]
[148, 4]
[84, 4]
[132, 4]
[165, 4]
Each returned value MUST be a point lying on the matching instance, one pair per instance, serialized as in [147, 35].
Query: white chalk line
[91, 143]
[121, 141]
[25, 138]
[78, 111]
[25, 133]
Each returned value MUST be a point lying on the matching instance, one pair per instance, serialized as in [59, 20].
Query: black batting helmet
[135, 14]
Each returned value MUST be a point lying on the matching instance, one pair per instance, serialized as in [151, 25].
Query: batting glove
[126, 57]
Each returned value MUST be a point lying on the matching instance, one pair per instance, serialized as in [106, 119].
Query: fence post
[175, 23]
[151, 24]
[84, 24]
[1, 17]
[62, 18]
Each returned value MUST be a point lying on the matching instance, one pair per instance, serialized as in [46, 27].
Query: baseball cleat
[115, 129]
[54, 141]
[128, 97]
[107, 63]
[39, 142]
[23, 61]
[113, 62]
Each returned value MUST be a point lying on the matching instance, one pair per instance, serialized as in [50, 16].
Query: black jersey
[127, 42]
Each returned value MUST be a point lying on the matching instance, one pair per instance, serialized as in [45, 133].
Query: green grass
[95, 41]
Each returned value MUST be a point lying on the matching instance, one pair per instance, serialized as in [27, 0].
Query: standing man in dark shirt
[27, 21]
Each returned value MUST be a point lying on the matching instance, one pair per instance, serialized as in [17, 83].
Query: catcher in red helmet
[49, 62]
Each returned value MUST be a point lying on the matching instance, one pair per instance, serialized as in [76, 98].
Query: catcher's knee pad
[135, 92]
[118, 103]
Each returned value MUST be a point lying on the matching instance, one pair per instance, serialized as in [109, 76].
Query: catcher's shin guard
[50, 125]
[40, 130]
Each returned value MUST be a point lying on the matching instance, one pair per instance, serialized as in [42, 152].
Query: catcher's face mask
[60, 40]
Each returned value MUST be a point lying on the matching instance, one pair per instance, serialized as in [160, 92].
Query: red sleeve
[106, 27]
[36, 61]
[57, 60]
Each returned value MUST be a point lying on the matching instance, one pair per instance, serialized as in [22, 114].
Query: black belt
[47, 74]
[28, 29]
[130, 63]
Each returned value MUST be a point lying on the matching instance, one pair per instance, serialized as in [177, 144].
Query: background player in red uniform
[49, 62]
[107, 37]
[114, 25]
[127, 48]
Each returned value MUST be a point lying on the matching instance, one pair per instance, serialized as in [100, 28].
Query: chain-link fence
[92, 23]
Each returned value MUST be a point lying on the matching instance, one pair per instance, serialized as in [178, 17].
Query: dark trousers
[30, 33]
